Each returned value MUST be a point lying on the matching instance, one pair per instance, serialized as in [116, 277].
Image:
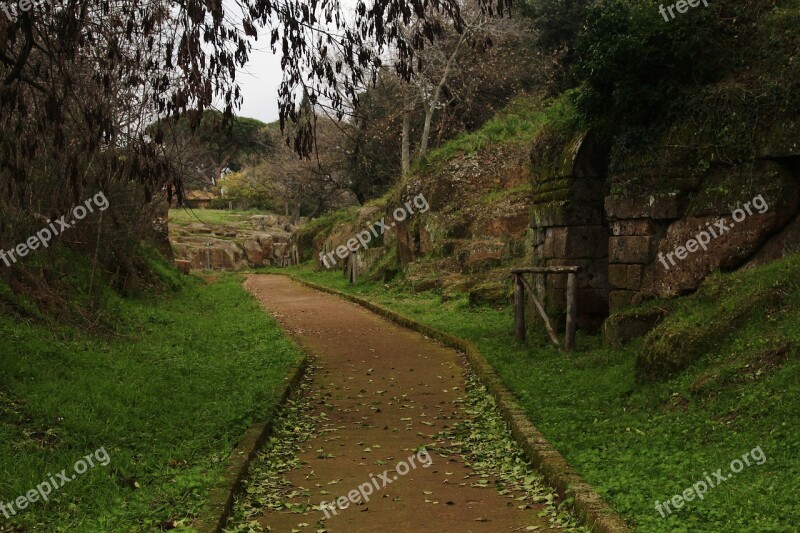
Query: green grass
[520, 122]
[635, 442]
[220, 217]
[756, 305]
[168, 394]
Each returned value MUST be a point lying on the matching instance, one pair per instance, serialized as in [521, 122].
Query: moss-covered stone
[490, 293]
[621, 328]
[722, 306]
[729, 187]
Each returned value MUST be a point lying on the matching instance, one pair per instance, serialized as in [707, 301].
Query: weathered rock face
[255, 255]
[261, 240]
[666, 244]
[562, 205]
[478, 220]
[657, 226]
[785, 242]
[478, 212]
[219, 254]
[365, 218]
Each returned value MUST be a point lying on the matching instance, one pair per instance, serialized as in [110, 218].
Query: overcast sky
[262, 76]
[259, 83]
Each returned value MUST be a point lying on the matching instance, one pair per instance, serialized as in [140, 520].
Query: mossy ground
[733, 321]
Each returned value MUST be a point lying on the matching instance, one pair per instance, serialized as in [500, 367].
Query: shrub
[635, 66]
[558, 23]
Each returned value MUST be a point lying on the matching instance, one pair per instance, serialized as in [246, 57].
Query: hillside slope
[479, 188]
[698, 363]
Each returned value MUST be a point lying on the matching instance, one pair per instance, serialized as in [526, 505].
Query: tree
[461, 82]
[440, 63]
[217, 144]
[81, 83]
[298, 186]
[178, 55]
[374, 144]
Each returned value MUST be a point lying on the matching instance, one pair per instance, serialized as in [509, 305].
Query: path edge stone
[218, 507]
[588, 504]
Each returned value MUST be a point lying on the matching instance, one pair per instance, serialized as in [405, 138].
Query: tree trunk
[430, 109]
[406, 141]
[218, 169]
[426, 131]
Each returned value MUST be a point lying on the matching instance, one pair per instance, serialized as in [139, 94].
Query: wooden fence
[520, 284]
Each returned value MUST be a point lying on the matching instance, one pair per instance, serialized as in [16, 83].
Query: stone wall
[569, 227]
[636, 227]
[647, 229]
[622, 227]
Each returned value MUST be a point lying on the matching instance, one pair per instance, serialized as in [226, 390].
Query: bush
[635, 66]
[558, 23]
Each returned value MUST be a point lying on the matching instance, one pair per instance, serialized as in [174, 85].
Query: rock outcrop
[477, 225]
[634, 219]
[260, 240]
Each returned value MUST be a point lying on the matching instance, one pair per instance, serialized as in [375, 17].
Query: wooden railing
[520, 284]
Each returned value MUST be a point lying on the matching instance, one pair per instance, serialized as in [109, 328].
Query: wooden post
[519, 306]
[352, 267]
[572, 311]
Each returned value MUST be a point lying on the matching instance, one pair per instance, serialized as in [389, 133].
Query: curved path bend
[379, 376]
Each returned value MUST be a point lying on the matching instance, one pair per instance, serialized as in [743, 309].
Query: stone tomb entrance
[570, 228]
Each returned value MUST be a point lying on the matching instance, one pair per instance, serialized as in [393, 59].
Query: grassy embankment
[638, 442]
[167, 390]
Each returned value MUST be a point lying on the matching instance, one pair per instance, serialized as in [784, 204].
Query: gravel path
[386, 411]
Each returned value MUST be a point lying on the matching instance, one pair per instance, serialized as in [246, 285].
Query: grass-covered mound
[641, 442]
[521, 121]
[735, 325]
[166, 385]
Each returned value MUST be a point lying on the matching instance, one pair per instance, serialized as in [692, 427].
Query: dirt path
[385, 392]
